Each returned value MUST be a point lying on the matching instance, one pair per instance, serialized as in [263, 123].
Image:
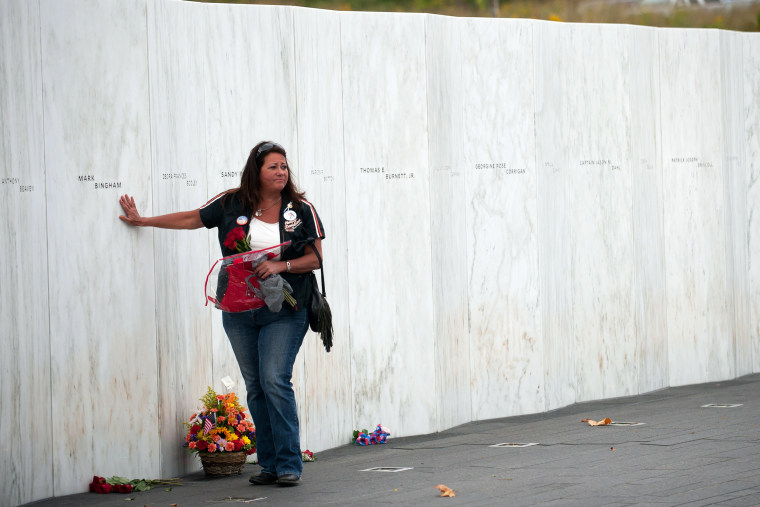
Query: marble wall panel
[249, 84]
[326, 413]
[388, 221]
[554, 239]
[448, 209]
[600, 208]
[752, 158]
[178, 158]
[498, 147]
[646, 174]
[24, 321]
[582, 130]
[699, 330]
[102, 319]
[735, 196]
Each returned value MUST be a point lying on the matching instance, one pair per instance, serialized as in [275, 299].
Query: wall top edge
[468, 18]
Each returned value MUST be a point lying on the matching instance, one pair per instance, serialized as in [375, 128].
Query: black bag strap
[321, 268]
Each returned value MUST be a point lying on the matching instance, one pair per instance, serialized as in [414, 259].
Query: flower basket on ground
[221, 434]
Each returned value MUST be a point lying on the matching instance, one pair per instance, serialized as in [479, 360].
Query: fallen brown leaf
[445, 491]
[603, 422]
[612, 449]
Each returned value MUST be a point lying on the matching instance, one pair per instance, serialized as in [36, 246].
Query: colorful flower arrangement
[379, 436]
[220, 426]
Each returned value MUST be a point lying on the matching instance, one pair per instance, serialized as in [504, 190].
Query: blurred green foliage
[740, 16]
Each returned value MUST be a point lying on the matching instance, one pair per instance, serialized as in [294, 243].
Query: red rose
[230, 243]
[195, 428]
[250, 451]
[105, 488]
[202, 445]
[238, 233]
[238, 444]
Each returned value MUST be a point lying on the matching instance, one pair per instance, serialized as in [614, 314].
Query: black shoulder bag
[320, 316]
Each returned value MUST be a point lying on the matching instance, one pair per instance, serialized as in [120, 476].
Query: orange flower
[229, 446]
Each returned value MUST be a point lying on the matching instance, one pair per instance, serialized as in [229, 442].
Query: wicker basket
[223, 463]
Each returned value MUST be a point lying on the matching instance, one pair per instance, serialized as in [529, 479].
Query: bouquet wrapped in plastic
[232, 286]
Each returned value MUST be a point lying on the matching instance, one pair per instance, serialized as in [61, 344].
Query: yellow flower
[246, 440]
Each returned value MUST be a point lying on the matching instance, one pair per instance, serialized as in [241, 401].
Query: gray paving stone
[683, 455]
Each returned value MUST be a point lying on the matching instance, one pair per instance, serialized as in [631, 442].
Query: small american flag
[207, 425]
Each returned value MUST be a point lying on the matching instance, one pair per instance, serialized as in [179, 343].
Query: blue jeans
[265, 345]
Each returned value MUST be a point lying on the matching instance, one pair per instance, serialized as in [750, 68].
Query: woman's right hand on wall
[130, 216]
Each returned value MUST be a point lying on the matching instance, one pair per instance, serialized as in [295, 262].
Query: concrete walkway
[683, 454]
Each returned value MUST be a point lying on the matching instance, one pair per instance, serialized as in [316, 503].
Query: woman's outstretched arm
[181, 220]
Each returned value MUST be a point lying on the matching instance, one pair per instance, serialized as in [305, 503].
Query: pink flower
[229, 446]
[191, 445]
[211, 447]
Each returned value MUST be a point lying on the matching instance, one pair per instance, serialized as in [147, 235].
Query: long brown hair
[249, 191]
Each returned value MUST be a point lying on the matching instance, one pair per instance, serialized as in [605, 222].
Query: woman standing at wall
[271, 210]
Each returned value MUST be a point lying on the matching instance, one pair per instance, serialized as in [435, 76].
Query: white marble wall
[735, 196]
[648, 240]
[596, 171]
[498, 159]
[179, 182]
[752, 180]
[101, 283]
[554, 233]
[448, 211]
[24, 314]
[326, 379]
[699, 325]
[387, 219]
[520, 215]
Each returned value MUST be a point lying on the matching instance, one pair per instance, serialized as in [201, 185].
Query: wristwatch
[287, 264]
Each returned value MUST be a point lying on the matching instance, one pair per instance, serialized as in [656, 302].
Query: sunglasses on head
[266, 147]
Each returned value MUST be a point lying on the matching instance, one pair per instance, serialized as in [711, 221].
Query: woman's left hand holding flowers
[269, 268]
